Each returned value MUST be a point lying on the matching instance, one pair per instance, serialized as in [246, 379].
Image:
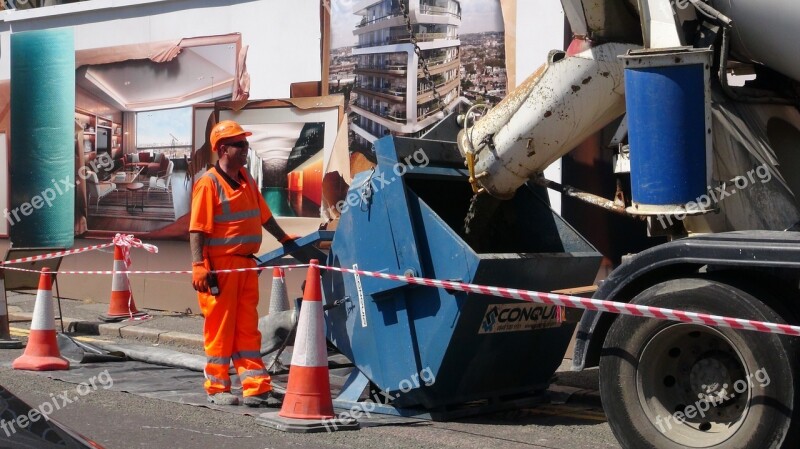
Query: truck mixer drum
[431, 348]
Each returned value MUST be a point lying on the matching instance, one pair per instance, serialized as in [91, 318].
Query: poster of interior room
[289, 158]
[290, 150]
[133, 123]
[141, 190]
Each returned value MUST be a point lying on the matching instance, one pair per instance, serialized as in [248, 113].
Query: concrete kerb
[181, 338]
[562, 394]
[131, 330]
[141, 333]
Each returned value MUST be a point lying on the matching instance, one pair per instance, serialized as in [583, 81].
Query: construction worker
[227, 215]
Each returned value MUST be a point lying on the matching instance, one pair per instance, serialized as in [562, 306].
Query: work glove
[288, 238]
[200, 277]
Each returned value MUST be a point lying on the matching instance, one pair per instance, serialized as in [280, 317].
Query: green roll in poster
[42, 172]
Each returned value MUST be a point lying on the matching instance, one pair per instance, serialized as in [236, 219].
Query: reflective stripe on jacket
[230, 218]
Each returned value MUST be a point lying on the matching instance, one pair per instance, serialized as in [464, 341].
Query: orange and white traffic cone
[121, 305]
[307, 405]
[41, 353]
[279, 298]
[308, 393]
[278, 314]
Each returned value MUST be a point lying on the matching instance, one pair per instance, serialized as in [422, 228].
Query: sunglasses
[242, 144]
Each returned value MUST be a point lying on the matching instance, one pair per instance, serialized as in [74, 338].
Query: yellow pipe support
[471, 167]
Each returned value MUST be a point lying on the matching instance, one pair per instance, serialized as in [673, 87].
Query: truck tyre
[667, 385]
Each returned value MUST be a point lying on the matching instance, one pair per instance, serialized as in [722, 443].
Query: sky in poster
[477, 16]
[158, 127]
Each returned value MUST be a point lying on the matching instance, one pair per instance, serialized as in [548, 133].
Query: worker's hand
[288, 238]
[200, 277]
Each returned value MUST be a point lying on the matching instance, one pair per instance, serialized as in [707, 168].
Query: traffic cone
[279, 299]
[41, 353]
[308, 393]
[307, 405]
[270, 325]
[121, 305]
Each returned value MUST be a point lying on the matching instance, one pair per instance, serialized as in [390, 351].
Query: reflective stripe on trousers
[230, 330]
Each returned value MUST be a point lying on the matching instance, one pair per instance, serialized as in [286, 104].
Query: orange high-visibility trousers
[230, 330]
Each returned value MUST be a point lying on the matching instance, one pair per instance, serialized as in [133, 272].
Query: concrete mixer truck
[712, 162]
[701, 98]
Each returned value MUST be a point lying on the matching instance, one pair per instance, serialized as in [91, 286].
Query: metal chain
[418, 51]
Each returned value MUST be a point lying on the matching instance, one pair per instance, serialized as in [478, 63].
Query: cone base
[40, 363]
[275, 421]
[307, 406]
[308, 393]
[115, 317]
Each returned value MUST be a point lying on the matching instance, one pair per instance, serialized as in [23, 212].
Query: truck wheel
[673, 385]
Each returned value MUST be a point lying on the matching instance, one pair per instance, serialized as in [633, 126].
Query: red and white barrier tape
[56, 254]
[124, 241]
[509, 293]
[619, 308]
[233, 270]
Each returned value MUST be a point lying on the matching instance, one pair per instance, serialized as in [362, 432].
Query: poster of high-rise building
[403, 65]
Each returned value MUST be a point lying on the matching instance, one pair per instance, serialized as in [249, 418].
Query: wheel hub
[706, 374]
[685, 380]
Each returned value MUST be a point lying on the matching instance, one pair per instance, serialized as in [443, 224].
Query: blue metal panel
[397, 207]
[437, 312]
[667, 123]
[376, 235]
[302, 249]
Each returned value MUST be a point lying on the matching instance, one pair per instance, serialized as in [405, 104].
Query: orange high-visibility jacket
[231, 219]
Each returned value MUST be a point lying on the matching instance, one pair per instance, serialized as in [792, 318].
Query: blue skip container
[667, 94]
[440, 353]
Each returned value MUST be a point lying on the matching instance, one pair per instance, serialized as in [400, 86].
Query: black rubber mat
[182, 385]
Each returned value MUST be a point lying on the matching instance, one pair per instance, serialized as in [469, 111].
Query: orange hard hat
[226, 131]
